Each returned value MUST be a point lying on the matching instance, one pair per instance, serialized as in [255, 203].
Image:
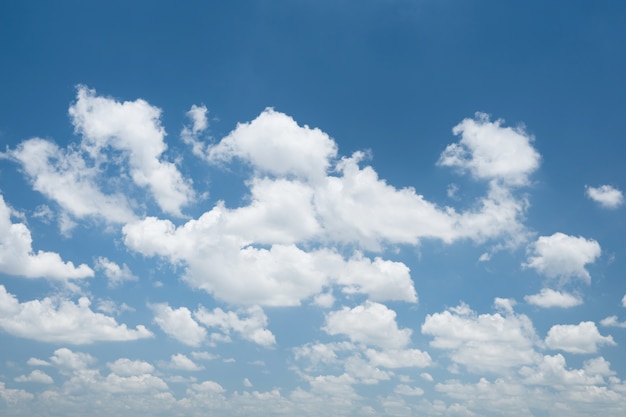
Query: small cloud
[247, 383]
[115, 274]
[548, 298]
[36, 376]
[605, 195]
[182, 363]
[612, 321]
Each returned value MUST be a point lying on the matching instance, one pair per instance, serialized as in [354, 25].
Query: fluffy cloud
[178, 324]
[612, 321]
[190, 134]
[114, 272]
[252, 328]
[577, 338]
[486, 342]
[548, 298]
[490, 151]
[370, 323]
[127, 367]
[182, 363]
[399, 358]
[563, 256]
[551, 371]
[66, 178]
[274, 143]
[62, 321]
[18, 258]
[133, 128]
[36, 376]
[605, 195]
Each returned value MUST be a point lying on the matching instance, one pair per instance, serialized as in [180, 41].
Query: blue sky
[381, 208]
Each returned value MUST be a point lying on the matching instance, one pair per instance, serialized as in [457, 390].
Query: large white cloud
[18, 258]
[486, 342]
[490, 151]
[563, 256]
[605, 195]
[62, 321]
[133, 128]
[583, 337]
[370, 323]
[550, 298]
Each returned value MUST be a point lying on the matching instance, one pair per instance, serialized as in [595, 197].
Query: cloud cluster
[62, 321]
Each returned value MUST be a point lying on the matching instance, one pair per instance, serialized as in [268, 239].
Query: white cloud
[13, 396]
[370, 323]
[399, 358]
[179, 324]
[486, 342]
[577, 338]
[66, 360]
[548, 298]
[199, 123]
[208, 386]
[62, 321]
[36, 376]
[551, 371]
[490, 151]
[274, 143]
[182, 363]
[605, 195]
[624, 301]
[364, 372]
[252, 327]
[116, 274]
[407, 390]
[226, 265]
[126, 367]
[18, 258]
[612, 321]
[65, 177]
[563, 256]
[133, 128]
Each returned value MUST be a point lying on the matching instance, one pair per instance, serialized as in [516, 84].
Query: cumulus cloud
[552, 371]
[577, 338]
[36, 376]
[548, 298]
[486, 342]
[404, 389]
[370, 323]
[252, 327]
[179, 324]
[394, 358]
[563, 256]
[190, 134]
[612, 321]
[18, 258]
[127, 367]
[62, 321]
[492, 152]
[116, 274]
[133, 128]
[605, 195]
[182, 363]
[274, 143]
[66, 178]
